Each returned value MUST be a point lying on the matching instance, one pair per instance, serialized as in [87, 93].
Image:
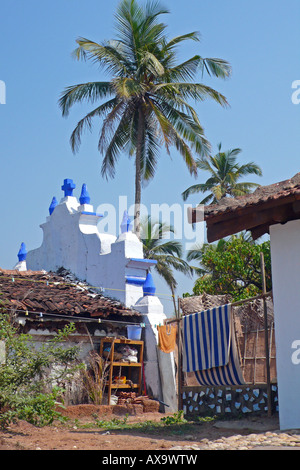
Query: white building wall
[285, 256]
[159, 366]
[71, 240]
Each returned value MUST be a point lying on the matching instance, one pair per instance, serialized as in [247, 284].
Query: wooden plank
[216, 231]
[251, 208]
[262, 264]
[110, 384]
[124, 364]
[120, 385]
[259, 231]
[179, 366]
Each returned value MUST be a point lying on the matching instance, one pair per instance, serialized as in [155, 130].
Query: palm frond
[225, 174]
[210, 199]
[216, 67]
[117, 143]
[250, 168]
[111, 55]
[170, 247]
[86, 122]
[91, 91]
[185, 128]
[194, 189]
[194, 36]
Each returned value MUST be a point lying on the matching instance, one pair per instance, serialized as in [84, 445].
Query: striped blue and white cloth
[209, 347]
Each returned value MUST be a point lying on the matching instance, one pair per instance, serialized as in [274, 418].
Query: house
[273, 210]
[100, 281]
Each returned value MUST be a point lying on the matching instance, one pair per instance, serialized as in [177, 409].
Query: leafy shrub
[27, 388]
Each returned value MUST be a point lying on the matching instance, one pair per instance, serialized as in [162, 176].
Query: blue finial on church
[53, 205]
[149, 286]
[126, 224]
[68, 187]
[22, 252]
[84, 196]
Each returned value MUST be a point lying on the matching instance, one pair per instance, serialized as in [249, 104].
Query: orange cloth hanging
[167, 337]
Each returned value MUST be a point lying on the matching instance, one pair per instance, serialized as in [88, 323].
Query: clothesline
[79, 284]
[73, 319]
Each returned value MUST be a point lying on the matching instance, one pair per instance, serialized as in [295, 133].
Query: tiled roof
[263, 194]
[60, 294]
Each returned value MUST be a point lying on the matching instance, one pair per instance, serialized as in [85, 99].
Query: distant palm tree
[167, 253]
[225, 175]
[147, 106]
[199, 250]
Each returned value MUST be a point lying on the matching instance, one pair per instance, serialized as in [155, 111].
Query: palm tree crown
[147, 103]
[167, 252]
[225, 175]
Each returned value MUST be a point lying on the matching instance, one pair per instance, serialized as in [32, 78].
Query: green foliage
[149, 89]
[114, 423]
[147, 99]
[225, 174]
[94, 377]
[176, 418]
[233, 267]
[166, 252]
[29, 376]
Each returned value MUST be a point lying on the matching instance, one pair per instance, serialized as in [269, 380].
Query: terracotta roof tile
[262, 194]
[38, 291]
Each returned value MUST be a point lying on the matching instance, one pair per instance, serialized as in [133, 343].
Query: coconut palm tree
[147, 97]
[168, 253]
[225, 175]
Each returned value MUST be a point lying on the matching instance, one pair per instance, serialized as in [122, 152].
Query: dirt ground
[81, 433]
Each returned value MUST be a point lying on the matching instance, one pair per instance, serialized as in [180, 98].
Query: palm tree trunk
[138, 175]
[174, 299]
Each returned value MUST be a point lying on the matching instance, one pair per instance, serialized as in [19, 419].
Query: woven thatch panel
[198, 303]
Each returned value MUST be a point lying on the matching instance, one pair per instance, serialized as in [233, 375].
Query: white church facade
[114, 265]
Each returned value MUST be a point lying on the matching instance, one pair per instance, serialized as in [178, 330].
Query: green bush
[28, 389]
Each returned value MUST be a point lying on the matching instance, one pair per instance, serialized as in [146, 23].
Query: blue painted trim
[144, 260]
[135, 280]
[84, 196]
[91, 213]
[53, 205]
[149, 286]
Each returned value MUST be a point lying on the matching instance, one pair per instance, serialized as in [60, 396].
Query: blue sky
[260, 39]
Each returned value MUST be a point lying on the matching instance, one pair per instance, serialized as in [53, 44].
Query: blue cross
[68, 187]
